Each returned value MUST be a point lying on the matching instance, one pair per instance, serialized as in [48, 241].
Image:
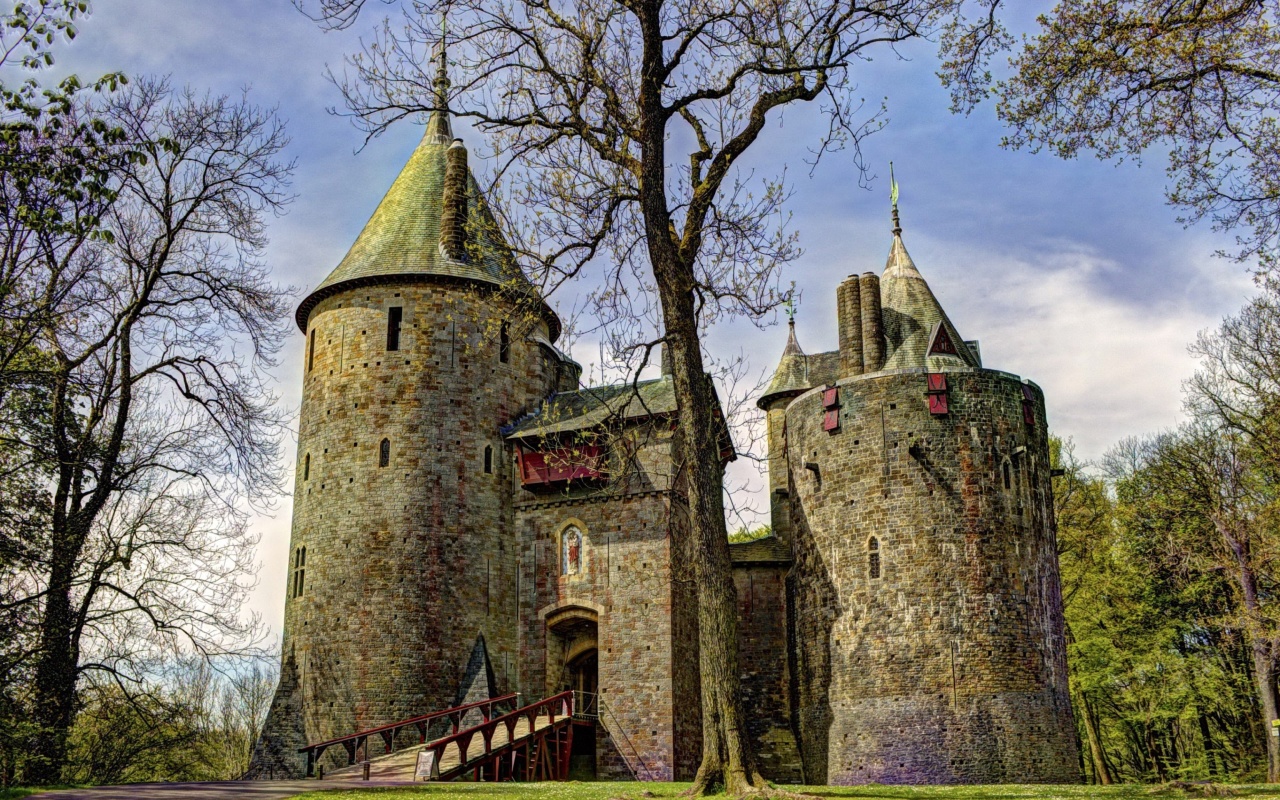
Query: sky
[1074, 274]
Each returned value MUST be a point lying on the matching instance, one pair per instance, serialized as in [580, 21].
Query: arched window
[488, 459]
[571, 550]
[873, 558]
[306, 467]
[384, 453]
[504, 343]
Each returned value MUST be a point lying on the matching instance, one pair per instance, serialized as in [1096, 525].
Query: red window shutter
[831, 397]
[938, 404]
[937, 381]
[1028, 412]
[831, 420]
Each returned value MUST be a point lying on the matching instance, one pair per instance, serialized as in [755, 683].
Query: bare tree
[155, 325]
[621, 129]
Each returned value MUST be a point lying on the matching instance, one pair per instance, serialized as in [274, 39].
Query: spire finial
[893, 198]
[442, 65]
[438, 129]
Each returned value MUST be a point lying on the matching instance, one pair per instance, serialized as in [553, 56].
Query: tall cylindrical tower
[928, 611]
[419, 347]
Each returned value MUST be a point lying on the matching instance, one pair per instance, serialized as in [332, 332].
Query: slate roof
[401, 241]
[769, 550]
[910, 313]
[590, 408]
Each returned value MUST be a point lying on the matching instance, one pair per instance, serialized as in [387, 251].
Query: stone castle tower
[913, 487]
[468, 521]
[402, 503]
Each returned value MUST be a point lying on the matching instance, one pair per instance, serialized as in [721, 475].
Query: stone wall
[407, 564]
[950, 666]
[627, 590]
[762, 653]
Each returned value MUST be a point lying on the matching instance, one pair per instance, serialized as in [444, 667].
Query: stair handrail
[604, 707]
[388, 732]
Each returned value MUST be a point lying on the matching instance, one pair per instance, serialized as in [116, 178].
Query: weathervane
[893, 198]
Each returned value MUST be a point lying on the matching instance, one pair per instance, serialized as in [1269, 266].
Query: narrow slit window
[299, 571]
[1008, 475]
[504, 343]
[384, 453]
[311, 351]
[488, 459]
[306, 467]
[395, 315]
[873, 558]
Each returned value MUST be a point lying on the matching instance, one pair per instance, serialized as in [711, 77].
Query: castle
[468, 520]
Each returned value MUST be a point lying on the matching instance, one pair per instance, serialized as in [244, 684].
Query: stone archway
[573, 664]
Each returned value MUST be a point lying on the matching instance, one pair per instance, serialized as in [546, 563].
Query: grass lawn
[22, 791]
[573, 790]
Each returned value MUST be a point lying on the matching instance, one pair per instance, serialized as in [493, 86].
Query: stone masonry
[469, 520]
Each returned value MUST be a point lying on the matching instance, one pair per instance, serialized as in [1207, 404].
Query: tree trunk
[1265, 675]
[1260, 645]
[1097, 754]
[55, 681]
[726, 755]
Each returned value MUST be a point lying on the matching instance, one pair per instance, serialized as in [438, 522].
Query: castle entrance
[573, 663]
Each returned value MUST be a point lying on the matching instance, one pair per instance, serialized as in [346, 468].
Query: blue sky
[1072, 273]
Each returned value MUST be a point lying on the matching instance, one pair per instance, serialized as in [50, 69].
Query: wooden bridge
[529, 743]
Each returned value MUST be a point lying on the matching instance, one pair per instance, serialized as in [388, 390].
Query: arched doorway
[573, 664]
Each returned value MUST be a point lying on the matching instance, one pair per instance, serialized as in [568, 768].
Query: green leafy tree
[1194, 79]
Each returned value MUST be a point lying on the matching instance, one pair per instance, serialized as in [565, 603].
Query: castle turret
[422, 343]
[929, 644]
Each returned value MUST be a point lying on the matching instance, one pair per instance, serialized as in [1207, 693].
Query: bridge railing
[353, 742]
[539, 760]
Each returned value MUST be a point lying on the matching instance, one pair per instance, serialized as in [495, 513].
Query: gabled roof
[401, 241]
[591, 408]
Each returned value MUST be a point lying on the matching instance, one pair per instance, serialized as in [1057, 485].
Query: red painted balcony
[545, 468]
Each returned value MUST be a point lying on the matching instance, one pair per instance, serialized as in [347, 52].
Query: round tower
[928, 612]
[421, 344]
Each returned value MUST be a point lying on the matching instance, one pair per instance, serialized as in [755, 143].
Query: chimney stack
[849, 313]
[872, 323]
[453, 213]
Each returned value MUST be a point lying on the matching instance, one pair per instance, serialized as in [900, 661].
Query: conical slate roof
[792, 375]
[401, 241]
[911, 314]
